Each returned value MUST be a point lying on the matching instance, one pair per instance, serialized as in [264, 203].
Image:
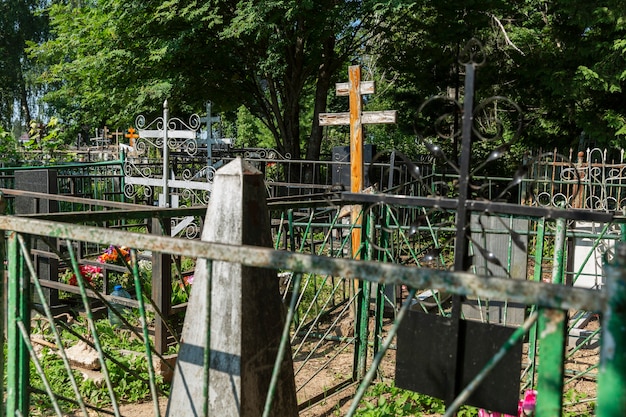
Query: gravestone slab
[41, 181]
[496, 239]
[587, 259]
[341, 168]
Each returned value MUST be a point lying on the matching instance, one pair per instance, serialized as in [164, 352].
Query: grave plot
[400, 275]
[419, 266]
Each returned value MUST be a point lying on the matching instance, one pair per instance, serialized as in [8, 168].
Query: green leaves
[109, 60]
[387, 400]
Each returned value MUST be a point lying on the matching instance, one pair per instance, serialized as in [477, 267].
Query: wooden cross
[105, 136]
[131, 135]
[355, 89]
[117, 134]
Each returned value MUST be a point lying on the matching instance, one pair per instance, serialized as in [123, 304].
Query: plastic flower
[529, 403]
[90, 271]
[111, 255]
[87, 272]
[525, 408]
[188, 280]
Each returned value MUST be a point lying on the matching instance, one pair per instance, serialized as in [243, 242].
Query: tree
[94, 74]
[20, 23]
[580, 76]
[110, 60]
[269, 56]
[562, 62]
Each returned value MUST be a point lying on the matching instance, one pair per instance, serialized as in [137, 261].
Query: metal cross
[131, 135]
[117, 134]
[211, 140]
[446, 349]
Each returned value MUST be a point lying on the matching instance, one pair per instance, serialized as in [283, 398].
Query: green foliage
[577, 404]
[562, 64]
[251, 132]
[9, 153]
[86, 57]
[47, 139]
[128, 387]
[106, 62]
[384, 400]
[20, 22]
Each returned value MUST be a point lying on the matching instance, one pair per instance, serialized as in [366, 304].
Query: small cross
[131, 135]
[117, 134]
[355, 89]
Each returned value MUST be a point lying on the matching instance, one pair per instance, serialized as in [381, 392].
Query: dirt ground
[329, 363]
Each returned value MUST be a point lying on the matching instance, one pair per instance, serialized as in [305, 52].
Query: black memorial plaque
[424, 351]
[341, 170]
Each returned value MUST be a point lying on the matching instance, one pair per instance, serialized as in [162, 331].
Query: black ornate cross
[439, 355]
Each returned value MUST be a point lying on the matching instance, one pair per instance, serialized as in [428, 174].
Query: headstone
[587, 259]
[495, 237]
[41, 181]
[246, 317]
[341, 165]
[589, 273]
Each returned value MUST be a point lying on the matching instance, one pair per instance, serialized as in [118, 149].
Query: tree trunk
[294, 80]
[322, 86]
[25, 109]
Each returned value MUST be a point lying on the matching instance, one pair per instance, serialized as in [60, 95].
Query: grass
[128, 373]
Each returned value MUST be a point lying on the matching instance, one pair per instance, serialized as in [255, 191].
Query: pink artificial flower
[90, 270]
[529, 403]
[525, 407]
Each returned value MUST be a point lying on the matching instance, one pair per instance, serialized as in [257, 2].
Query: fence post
[18, 309]
[161, 286]
[612, 372]
[552, 330]
[532, 334]
[363, 304]
[3, 297]
[165, 201]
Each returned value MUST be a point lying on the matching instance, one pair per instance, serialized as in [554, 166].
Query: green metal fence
[94, 180]
[398, 255]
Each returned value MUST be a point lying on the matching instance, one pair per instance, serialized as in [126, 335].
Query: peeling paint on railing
[462, 283]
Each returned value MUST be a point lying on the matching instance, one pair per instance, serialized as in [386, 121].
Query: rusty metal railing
[548, 296]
